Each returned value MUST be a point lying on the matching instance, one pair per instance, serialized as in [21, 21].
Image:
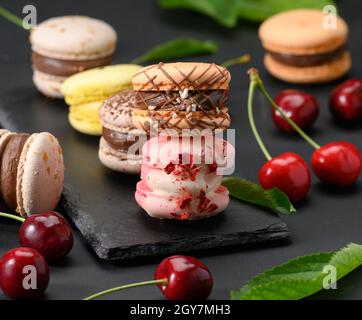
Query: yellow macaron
[85, 92]
[84, 118]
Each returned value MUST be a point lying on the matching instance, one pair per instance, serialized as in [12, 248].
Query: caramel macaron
[305, 46]
[121, 143]
[63, 46]
[181, 95]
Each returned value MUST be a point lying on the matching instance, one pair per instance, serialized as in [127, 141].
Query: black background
[327, 220]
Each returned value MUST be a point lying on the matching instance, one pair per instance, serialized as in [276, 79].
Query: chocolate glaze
[308, 60]
[173, 100]
[66, 68]
[9, 168]
[118, 140]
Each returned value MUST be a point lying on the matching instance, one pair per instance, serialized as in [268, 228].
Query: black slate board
[101, 202]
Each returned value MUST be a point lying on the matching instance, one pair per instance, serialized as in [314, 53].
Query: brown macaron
[63, 46]
[121, 143]
[305, 46]
[181, 95]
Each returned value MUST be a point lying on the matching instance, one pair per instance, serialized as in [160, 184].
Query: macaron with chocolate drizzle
[305, 46]
[121, 143]
[63, 46]
[181, 95]
[31, 172]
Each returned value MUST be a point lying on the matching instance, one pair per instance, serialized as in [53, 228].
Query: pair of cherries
[24, 271]
[47, 237]
[336, 163]
[345, 103]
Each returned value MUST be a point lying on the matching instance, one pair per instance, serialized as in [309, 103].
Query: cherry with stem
[178, 277]
[288, 171]
[301, 107]
[337, 163]
[48, 232]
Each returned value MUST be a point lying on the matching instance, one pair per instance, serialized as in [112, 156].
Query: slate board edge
[274, 232]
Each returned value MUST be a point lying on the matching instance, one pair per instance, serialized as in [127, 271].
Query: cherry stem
[13, 18]
[255, 78]
[127, 286]
[245, 58]
[258, 139]
[12, 216]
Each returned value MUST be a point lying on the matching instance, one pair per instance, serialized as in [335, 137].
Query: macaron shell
[40, 176]
[5, 135]
[85, 118]
[3, 131]
[181, 75]
[290, 32]
[118, 160]
[116, 111]
[73, 38]
[47, 84]
[98, 83]
[317, 74]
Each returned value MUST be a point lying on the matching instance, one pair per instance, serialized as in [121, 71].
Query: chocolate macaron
[181, 95]
[302, 46]
[63, 46]
[31, 172]
[121, 143]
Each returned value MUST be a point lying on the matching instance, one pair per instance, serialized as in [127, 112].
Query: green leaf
[178, 48]
[259, 10]
[227, 12]
[224, 12]
[300, 277]
[250, 192]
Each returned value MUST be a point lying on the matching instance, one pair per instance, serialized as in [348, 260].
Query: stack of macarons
[63, 46]
[86, 91]
[181, 100]
[31, 171]
[305, 46]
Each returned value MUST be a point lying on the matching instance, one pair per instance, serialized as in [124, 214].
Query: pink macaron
[181, 177]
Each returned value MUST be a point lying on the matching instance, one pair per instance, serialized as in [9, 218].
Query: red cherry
[187, 278]
[301, 107]
[288, 172]
[337, 163]
[345, 101]
[24, 273]
[49, 233]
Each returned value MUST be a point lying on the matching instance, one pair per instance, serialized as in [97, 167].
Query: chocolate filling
[308, 60]
[179, 101]
[9, 168]
[66, 68]
[118, 140]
